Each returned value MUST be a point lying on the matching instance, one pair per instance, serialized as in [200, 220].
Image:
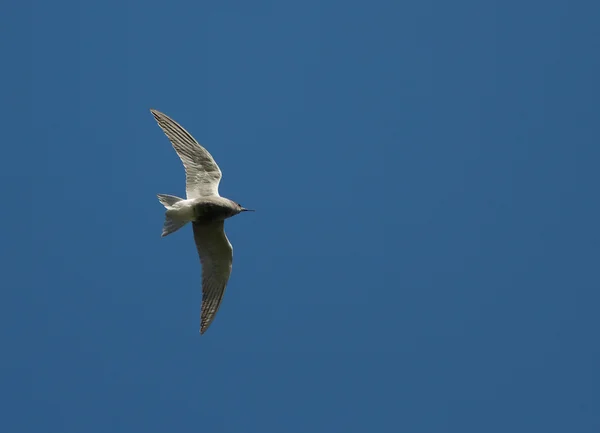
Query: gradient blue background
[425, 252]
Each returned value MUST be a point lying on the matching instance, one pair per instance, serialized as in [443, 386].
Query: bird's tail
[171, 224]
[168, 200]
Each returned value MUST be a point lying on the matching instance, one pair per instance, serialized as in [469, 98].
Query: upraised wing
[202, 174]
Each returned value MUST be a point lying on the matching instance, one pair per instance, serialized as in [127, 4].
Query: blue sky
[424, 255]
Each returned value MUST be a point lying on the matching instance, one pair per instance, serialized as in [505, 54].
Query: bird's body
[203, 210]
[206, 210]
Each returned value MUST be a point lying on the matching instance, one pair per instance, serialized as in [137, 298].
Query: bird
[205, 209]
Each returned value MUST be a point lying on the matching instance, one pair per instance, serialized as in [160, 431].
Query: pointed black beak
[247, 210]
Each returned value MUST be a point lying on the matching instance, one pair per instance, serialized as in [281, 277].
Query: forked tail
[171, 225]
[168, 200]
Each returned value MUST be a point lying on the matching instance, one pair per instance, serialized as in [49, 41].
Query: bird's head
[241, 209]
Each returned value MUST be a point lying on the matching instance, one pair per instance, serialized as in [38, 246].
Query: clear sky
[425, 253]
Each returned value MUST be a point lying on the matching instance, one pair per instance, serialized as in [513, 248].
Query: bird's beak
[247, 210]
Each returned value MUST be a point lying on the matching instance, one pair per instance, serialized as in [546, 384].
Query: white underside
[182, 210]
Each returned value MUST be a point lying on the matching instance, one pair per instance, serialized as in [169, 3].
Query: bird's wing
[202, 174]
[216, 255]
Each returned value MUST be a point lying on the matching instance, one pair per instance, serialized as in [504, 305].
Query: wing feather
[216, 256]
[202, 174]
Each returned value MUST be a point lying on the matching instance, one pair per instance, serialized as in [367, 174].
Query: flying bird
[205, 209]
